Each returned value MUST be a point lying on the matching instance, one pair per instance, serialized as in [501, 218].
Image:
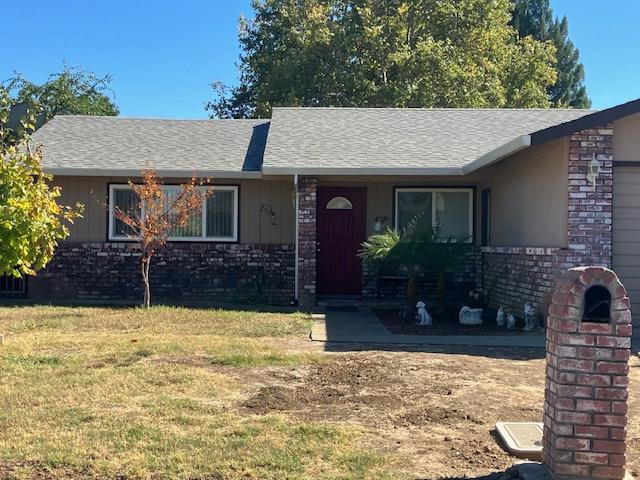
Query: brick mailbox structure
[588, 349]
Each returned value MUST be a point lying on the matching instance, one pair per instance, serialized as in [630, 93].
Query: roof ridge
[445, 109]
[112, 117]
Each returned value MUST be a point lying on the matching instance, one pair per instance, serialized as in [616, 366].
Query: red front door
[341, 231]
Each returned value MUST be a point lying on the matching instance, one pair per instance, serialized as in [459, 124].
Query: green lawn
[157, 394]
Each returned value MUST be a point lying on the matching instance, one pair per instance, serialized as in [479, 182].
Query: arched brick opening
[588, 349]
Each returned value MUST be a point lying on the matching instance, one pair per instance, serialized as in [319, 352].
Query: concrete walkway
[364, 327]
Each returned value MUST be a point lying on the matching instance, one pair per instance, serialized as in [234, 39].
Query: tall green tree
[32, 221]
[381, 53]
[71, 92]
[535, 18]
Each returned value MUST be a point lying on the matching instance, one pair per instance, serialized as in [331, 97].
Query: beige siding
[529, 200]
[626, 231]
[380, 192]
[92, 193]
[529, 197]
[626, 141]
[254, 227]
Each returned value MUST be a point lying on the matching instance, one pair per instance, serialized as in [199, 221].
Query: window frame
[433, 190]
[486, 217]
[203, 189]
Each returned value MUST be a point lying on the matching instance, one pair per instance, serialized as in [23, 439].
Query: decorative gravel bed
[407, 326]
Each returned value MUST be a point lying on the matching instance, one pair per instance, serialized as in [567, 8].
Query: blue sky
[164, 54]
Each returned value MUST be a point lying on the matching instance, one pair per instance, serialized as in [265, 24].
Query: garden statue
[423, 317]
[529, 317]
[470, 316]
[500, 318]
[511, 321]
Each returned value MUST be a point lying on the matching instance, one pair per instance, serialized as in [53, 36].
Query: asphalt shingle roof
[295, 138]
[398, 137]
[113, 143]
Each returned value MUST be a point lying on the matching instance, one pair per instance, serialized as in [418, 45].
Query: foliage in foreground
[154, 393]
[385, 53]
[32, 222]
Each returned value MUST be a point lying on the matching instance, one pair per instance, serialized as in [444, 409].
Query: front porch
[362, 326]
[336, 215]
[527, 220]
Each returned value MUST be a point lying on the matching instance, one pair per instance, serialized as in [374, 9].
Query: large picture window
[448, 209]
[217, 221]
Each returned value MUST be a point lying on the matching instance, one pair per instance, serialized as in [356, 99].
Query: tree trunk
[146, 263]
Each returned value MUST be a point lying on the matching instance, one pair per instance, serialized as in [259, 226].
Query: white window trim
[203, 238]
[433, 192]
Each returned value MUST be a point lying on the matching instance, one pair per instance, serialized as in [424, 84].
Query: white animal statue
[423, 317]
[501, 320]
[511, 321]
[470, 316]
[529, 317]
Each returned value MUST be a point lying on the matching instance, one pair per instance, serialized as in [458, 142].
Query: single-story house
[296, 195]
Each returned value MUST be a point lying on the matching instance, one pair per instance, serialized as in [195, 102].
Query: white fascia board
[134, 172]
[400, 171]
[499, 153]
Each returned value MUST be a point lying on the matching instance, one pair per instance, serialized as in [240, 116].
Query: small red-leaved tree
[157, 215]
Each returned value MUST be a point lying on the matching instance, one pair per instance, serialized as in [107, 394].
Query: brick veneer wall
[514, 275]
[307, 242]
[585, 407]
[460, 281]
[199, 272]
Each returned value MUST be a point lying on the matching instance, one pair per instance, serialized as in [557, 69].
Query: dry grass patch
[95, 392]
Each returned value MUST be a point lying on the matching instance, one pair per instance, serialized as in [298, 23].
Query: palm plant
[418, 246]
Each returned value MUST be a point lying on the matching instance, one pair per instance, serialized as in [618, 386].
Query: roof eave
[509, 148]
[371, 171]
[135, 172]
[592, 120]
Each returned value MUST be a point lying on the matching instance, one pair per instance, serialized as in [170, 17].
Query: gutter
[297, 211]
[135, 172]
[498, 154]
[267, 170]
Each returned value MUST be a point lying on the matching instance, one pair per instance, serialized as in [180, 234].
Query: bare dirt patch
[435, 411]
[39, 471]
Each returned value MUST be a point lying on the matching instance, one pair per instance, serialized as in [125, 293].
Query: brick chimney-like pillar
[307, 240]
[588, 349]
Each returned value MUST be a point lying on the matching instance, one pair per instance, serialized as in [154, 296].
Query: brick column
[585, 406]
[307, 241]
[590, 211]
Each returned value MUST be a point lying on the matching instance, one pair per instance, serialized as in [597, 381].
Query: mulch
[445, 324]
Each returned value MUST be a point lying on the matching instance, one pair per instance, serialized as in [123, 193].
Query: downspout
[297, 220]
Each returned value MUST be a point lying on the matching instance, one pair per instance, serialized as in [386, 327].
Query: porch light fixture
[378, 224]
[594, 171]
